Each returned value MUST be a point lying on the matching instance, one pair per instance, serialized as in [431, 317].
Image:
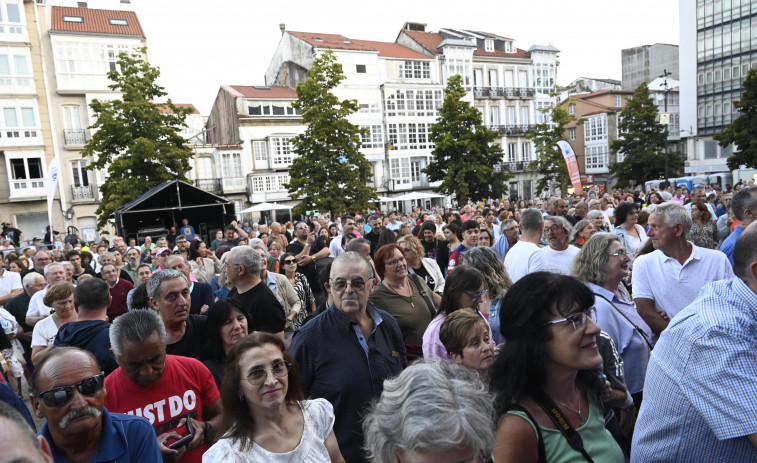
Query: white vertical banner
[51, 184]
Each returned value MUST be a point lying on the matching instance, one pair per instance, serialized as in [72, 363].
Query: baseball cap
[160, 251]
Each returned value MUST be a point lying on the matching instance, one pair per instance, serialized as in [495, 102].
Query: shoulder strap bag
[426, 297]
[641, 332]
[562, 423]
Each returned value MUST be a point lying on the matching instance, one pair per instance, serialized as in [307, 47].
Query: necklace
[577, 412]
[408, 299]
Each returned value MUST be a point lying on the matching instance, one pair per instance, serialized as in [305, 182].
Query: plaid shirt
[699, 396]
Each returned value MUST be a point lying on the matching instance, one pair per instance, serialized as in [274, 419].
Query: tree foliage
[330, 172]
[464, 156]
[549, 162]
[743, 130]
[137, 142]
[642, 140]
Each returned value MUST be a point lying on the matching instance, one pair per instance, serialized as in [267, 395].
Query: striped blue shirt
[701, 386]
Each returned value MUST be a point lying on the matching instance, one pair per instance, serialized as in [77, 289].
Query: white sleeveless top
[319, 421]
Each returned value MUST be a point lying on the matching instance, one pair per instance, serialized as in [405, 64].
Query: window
[545, 77]
[415, 70]
[75, 60]
[204, 168]
[258, 184]
[79, 170]
[410, 136]
[360, 68]
[493, 80]
[272, 108]
[367, 108]
[494, 115]
[572, 108]
[511, 115]
[596, 157]
[26, 173]
[282, 151]
[373, 137]
[118, 22]
[20, 122]
[261, 151]
[12, 23]
[526, 152]
[412, 102]
[512, 152]
[415, 170]
[231, 164]
[572, 133]
[73, 19]
[595, 128]
[489, 45]
[400, 170]
[618, 101]
[15, 71]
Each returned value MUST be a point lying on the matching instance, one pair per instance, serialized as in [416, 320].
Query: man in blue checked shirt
[699, 396]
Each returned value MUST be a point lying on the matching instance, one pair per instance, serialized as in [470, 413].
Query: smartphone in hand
[186, 439]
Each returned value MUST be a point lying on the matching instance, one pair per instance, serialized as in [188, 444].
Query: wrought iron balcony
[75, 137]
[512, 130]
[212, 185]
[82, 193]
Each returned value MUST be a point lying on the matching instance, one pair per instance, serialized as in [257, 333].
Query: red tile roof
[340, 42]
[431, 41]
[95, 21]
[166, 110]
[247, 91]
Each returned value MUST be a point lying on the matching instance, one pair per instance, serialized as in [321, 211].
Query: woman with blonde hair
[496, 279]
[426, 268]
[60, 297]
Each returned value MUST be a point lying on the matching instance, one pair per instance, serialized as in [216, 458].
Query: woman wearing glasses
[632, 235]
[405, 296]
[60, 297]
[603, 264]
[266, 416]
[288, 267]
[550, 357]
[465, 288]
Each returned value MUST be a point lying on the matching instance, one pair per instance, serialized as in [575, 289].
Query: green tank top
[598, 441]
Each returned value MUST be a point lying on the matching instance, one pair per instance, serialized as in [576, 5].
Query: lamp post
[665, 75]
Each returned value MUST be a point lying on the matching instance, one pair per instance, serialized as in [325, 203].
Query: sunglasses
[290, 261]
[59, 396]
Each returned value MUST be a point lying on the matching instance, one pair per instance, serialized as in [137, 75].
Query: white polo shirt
[9, 281]
[559, 261]
[673, 286]
[37, 307]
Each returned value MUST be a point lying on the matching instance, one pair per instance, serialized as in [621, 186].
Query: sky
[201, 45]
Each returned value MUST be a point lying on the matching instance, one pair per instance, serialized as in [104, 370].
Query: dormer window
[73, 19]
[489, 45]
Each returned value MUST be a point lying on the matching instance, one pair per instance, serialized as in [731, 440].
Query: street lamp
[665, 75]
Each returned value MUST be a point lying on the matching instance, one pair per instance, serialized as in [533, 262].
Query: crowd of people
[578, 328]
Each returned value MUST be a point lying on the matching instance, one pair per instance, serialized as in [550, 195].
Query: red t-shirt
[185, 387]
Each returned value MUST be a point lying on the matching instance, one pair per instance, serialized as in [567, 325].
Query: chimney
[283, 28]
[81, 4]
[125, 5]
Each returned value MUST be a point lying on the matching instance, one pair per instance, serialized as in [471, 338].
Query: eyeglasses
[477, 296]
[258, 376]
[290, 261]
[302, 227]
[341, 285]
[553, 228]
[228, 264]
[395, 262]
[578, 320]
[59, 396]
[510, 229]
[620, 253]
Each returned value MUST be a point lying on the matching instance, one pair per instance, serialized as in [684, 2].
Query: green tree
[330, 172]
[550, 163]
[133, 138]
[465, 155]
[642, 140]
[743, 130]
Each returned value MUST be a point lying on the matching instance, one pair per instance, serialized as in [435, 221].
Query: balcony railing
[82, 193]
[75, 137]
[211, 185]
[507, 92]
[516, 129]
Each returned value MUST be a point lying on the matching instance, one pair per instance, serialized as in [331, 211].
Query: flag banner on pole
[51, 184]
[570, 160]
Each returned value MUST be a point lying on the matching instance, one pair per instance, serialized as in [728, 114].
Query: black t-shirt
[264, 311]
[437, 250]
[193, 341]
[87, 271]
[309, 270]
[425, 276]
